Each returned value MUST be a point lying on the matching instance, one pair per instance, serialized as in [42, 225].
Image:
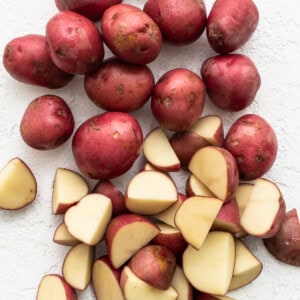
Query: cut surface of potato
[194, 187]
[63, 237]
[159, 152]
[195, 217]
[150, 192]
[210, 268]
[18, 186]
[68, 188]
[242, 195]
[182, 285]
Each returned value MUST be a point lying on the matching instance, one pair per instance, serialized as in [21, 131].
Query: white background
[26, 248]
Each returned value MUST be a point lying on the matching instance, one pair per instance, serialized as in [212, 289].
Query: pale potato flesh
[181, 285]
[17, 185]
[210, 268]
[198, 188]
[51, 288]
[242, 195]
[195, 217]
[135, 288]
[63, 237]
[261, 209]
[159, 152]
[77, 267]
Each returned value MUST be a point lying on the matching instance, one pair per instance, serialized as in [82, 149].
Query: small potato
[47, 122]
[74, 43]
[27, 60]
[231, 80]
[91, 9]
[178, 99]
[106, 145]
[131, 34]
[119, 86]
[253, 143]
[230, 24]
[180, 21]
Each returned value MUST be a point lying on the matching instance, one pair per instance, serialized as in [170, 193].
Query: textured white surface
[26, 248]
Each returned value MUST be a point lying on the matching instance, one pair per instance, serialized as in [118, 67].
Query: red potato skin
[178, 99]
[154, 264]
[106, 145]
[74, 43]
[231, 80]
[180, 21]
[47, 122]
[27, 60]
[285, 245]
[230, 24]
[131, 34]
[253, 143]
[119, 86]
[107, 188]
[185, 144]
[92, 9]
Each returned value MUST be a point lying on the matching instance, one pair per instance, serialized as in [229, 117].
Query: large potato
[231, 80]
[27, 60]
[106, 145]
[178, 99]
[119, 86]
[253, 143]
[131, 34]
[47, 122]
[230, 24]
[75, 45]
[91, 9]
[180, 21]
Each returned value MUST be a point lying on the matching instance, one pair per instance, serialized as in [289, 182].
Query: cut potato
[195, 217]
[159, 152]
[204, 296]
[210, 268]
[68, 188]
[18, 186]
[182, 285]
[194, 187]
[77, 266]
[63, 237]
[150, 192]
[242, 195]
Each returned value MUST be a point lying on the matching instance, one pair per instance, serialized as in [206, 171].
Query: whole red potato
[47, 122]
[231, 80]
[119, 86]
[92, 9]
[27, 60]
[74, 43]
[131, 34]
[106, 145]
[180, 21]
[253, 143]
[178, 99]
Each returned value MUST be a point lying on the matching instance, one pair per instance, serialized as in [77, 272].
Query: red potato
[180, 21]
[285, 245]
[27, 60]
[178, 99]
[154, 264]
[253, 143]
[111, 151]
[230, 24]
[108, 189]
[47, 122]
[231, 80]
[131, 34]
[92, 9]
[119, 86]
[194, 187]
[74, 43]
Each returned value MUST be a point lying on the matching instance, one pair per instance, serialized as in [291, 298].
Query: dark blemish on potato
[20, 49]
[59, 113]
[192, 99]
[8, 53]
[94, 126]
[115, 16]
[167, 102]
[240, 158]
[259, 158]
[56, 126]
[120, 89]
[189, 28]
[61, 52]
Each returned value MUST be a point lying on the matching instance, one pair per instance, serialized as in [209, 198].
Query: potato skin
[106, 145]
[27, 60]
[47, 122]
[131, 34]
[119, 86]
[231, 80]
[178, 99]
[74, 43]
[253, 143]
[92, 9]
[180, 21]
[230, 24]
